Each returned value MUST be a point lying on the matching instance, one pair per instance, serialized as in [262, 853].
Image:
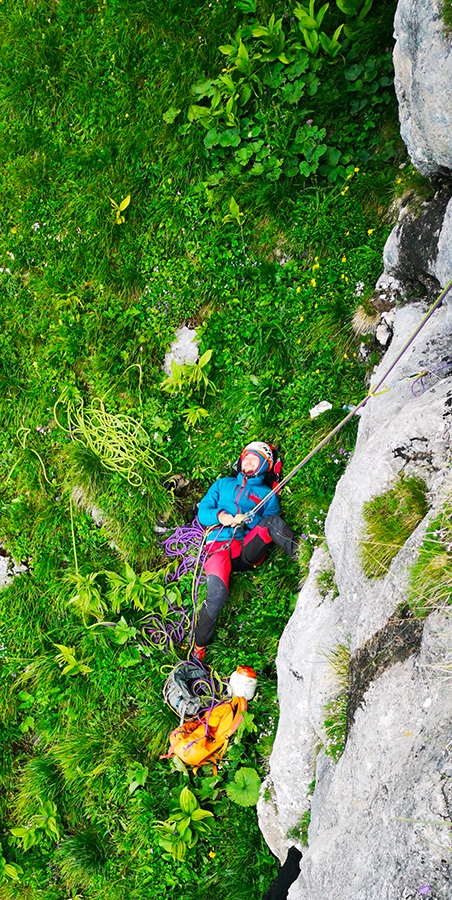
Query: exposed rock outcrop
[419, 249]
[423, 82]
[380, 825]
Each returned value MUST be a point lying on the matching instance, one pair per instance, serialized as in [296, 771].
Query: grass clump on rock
[390, 519]
[431, 575]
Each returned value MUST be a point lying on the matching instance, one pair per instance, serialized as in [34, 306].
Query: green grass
[431, 576]
[335, 723]
[390, 519]
[88, 305]
[447, 17]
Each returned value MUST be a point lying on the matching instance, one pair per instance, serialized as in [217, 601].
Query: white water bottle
[243, 683]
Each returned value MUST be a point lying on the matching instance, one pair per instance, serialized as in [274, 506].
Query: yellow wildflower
[370, 230]
[298, 289]
[313, 282]
[356, 169]
[212, 854]
[344, 259]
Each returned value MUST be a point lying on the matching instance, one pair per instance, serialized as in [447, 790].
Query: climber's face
[250, 463]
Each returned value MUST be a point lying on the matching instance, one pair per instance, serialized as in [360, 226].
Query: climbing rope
[119, 441]
[372, 393]
[22, 435]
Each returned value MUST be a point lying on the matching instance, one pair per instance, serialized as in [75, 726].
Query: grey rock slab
[184, 348]
[307, 684]
[423, 84]
[394, 425]
[380, 822]
[380, 826]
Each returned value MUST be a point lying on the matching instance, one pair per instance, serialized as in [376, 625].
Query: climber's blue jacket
[235, 495]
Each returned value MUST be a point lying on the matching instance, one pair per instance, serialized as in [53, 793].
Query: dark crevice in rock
[418, 245]
[399, 638]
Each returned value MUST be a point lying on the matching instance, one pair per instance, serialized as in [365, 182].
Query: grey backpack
[184, 689]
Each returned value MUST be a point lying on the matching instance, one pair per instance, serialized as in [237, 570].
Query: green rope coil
[119, 441]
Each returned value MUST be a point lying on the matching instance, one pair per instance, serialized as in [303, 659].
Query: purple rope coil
[185, 541]
[169, 631]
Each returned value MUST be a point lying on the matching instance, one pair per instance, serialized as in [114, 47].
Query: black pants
[238, 556]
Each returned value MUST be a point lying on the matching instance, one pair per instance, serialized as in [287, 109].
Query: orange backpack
[206, 739]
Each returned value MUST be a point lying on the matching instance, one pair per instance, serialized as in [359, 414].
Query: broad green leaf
[188, 801]
[245, 788]
[234, 208]
[19, 831]
[198, 814]
[12, 870]
[170, 115]
[122, 631]
[124, 203]
[130, 657]
[205, 358]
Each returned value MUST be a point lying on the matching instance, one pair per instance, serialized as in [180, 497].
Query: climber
[236, 545]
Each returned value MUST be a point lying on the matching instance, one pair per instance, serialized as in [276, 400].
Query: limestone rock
[423, 83]
[419, 249]
[185, 348]
[320, 408]
[380, 817]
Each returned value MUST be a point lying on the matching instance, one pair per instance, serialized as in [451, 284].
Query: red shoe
[198, 653]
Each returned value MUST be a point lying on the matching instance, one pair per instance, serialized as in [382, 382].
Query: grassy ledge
[123, 216]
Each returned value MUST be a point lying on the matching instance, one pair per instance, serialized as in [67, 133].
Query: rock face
[419, 249]
[423, 82]
[380, 818]
[184, 348]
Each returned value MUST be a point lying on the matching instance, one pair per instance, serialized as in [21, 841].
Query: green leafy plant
[355, 11]
[137, 776]
[9, 871]
[234, 214]
[87, 600]
[189, 378]
[44, 824]
[390, 519]
[310, 24]
[139, 591]
[123, 632]
[68, 663]
[119, 208]
[245, 788]
[183, 828]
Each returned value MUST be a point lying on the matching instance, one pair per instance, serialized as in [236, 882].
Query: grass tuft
[390, 519]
